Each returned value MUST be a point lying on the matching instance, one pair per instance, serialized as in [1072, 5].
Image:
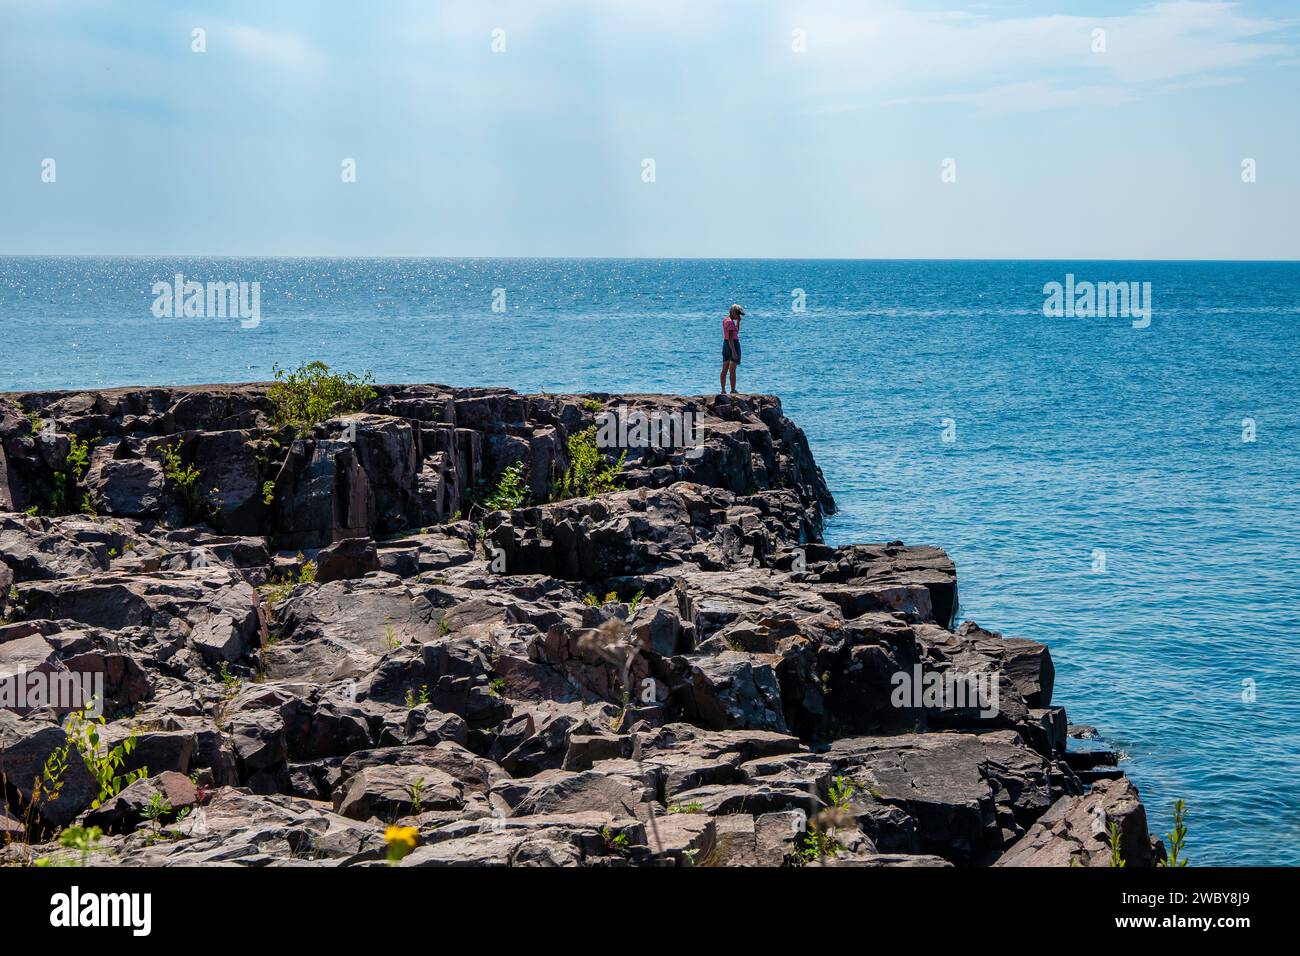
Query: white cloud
[280, 49]
[1032, 62]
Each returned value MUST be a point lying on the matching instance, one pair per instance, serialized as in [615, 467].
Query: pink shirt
[730, 329]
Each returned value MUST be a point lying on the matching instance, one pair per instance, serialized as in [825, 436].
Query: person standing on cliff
[730, 348]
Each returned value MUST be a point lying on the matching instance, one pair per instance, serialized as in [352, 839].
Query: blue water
[1072, 435]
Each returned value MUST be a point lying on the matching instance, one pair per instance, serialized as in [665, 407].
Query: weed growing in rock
[416, 792]
[414, 700]
[817, 844]
[185, 482]
[277, 591]
[311, 394]
[268, 493]
[104, 764]
[511, 491]
[1178, 838]
[67, 481]
[228, 680]
[692, 807]
[614, 843]
[1112, 843]
[159, 806]
[589, 473]
[82, 840]
[841, 792]
[592, 405]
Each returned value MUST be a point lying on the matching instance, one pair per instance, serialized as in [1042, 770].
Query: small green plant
[817, 844]
[307, 573]
[416, 791]
[1178, 838]
[443, 628]
[66, 481]
[511, 491]
[104, 764]
[591, 600]
[497, 686]
[841, 791]
[414, 700]
[614, 843]
[13, 593]
[311, 393]
[268, 493]
[635, 602]
[589, 473]
[592, 405]
[1112, 843]
[112, 552]
[50, 783]
[277, 591]
[83, 840]
[159, 806]
[185, 481]
[228, 680]
[692, 807]
[391, 640]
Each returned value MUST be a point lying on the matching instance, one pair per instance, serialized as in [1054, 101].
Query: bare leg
[733, 377]
[722, 379]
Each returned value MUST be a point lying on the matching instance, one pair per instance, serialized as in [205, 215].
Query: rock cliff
[310, 634]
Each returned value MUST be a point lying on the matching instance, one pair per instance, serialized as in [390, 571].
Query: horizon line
[571, 258]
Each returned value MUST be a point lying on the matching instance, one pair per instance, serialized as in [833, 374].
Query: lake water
[1126, 495]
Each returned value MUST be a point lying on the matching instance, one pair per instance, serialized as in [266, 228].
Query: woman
[730, 348]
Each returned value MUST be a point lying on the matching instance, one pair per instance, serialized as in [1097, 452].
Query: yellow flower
[401, 841]
[407, 835]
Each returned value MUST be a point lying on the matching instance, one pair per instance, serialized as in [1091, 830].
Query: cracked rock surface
[341, 637]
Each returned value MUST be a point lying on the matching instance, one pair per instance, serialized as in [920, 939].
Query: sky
[818, 129]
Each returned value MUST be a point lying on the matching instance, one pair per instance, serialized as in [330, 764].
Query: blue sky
[759, 150]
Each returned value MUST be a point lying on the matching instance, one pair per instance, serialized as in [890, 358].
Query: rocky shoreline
[315, 638]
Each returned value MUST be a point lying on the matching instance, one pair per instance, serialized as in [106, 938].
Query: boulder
[1074, 831]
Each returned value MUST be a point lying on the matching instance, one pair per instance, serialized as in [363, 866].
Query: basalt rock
[309, 633]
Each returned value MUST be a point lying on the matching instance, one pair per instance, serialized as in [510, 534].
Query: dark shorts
[728, 355]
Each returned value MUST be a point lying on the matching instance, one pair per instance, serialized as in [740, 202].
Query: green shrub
[1113, 844]
[817, 844]
[589, 472]
[103, 763]
[66, 482]
[841, 791]
[1178, 838]
[185, 482]
[311, 394]
[511, 491]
